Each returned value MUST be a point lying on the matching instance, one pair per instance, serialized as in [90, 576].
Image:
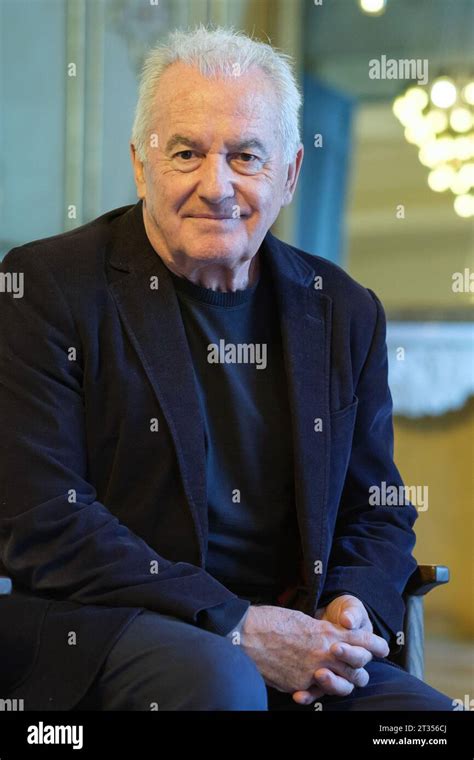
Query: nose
[215, 182]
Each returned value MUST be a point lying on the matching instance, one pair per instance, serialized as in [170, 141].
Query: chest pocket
[342, 425]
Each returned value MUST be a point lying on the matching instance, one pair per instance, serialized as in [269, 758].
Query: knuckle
[344, 681]
[325, 627]
[363, 659]
[354, 659]
[362, 677]
[356, 676]
[348, 672]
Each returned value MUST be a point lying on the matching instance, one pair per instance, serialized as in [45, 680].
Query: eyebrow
[250, 142]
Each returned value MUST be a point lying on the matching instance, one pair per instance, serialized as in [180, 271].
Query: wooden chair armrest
[425, 578]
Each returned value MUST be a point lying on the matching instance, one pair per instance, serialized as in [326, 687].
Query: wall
[439, 452]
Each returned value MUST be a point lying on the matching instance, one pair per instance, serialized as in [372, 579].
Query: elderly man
[193, 414]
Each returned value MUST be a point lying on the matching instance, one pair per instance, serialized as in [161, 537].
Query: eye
[184, 154]
[247, 163]
[246, 156]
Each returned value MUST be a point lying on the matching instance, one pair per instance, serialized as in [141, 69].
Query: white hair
[220, 52]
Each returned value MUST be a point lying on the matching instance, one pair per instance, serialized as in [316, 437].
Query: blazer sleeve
[371, 555]
[56, 538]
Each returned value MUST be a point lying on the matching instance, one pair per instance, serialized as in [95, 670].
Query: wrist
[250, 623]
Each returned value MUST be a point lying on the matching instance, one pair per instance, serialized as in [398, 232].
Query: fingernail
[350, 619]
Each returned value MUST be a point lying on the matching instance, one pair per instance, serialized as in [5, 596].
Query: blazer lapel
[152, 319]
[305, 319]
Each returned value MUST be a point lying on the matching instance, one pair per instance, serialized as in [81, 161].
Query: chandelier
[439, 120]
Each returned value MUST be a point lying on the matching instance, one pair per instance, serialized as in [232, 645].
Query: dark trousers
[162, 663]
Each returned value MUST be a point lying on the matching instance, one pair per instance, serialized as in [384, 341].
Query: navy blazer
[101, 515]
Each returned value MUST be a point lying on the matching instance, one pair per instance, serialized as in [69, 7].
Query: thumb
[351, 615]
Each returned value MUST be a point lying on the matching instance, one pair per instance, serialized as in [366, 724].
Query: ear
[138, 172]
[292, 176]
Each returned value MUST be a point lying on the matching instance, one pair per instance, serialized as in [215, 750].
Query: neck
[218, 277]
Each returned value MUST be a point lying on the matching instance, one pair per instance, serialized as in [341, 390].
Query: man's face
[216, 181]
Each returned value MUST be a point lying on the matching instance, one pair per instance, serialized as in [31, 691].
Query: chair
[411, 656]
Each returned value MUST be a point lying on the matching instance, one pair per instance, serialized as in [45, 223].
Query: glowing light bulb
[460, 119]
[429, 154]
[440, 179]
[419, 131]
[466, 173]
[464, 205]
[446, 148]
[417, 97]
[463, 148]
[459, 184]
[437, 120]
[443, 93]
[373, 6]
[468, 93]
[403, 110]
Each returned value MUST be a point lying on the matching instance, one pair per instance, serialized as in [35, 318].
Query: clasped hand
[348, 669]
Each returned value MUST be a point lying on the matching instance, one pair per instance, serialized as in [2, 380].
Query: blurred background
[386, 191]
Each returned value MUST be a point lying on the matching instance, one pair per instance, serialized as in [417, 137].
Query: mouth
[210, 218]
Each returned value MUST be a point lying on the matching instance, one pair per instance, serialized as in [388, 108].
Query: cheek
[264, 208]
[170, 195]
[260, 195]
[268, 190]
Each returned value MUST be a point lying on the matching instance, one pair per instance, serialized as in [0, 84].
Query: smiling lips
[214, 218]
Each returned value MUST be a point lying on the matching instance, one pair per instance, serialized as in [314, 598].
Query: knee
[209, 673]
[227, 679]
[427, 699]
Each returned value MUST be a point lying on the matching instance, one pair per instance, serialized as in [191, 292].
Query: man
[193, 415]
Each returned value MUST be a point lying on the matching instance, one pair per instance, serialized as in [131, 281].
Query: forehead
[184, 95]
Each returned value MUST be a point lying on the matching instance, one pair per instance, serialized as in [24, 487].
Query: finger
[307, 697]
[376, 645]
[357, 676]
[330, 683]
[356, 657]
[351, 616]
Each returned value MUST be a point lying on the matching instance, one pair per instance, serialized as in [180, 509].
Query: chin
[217, 249]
